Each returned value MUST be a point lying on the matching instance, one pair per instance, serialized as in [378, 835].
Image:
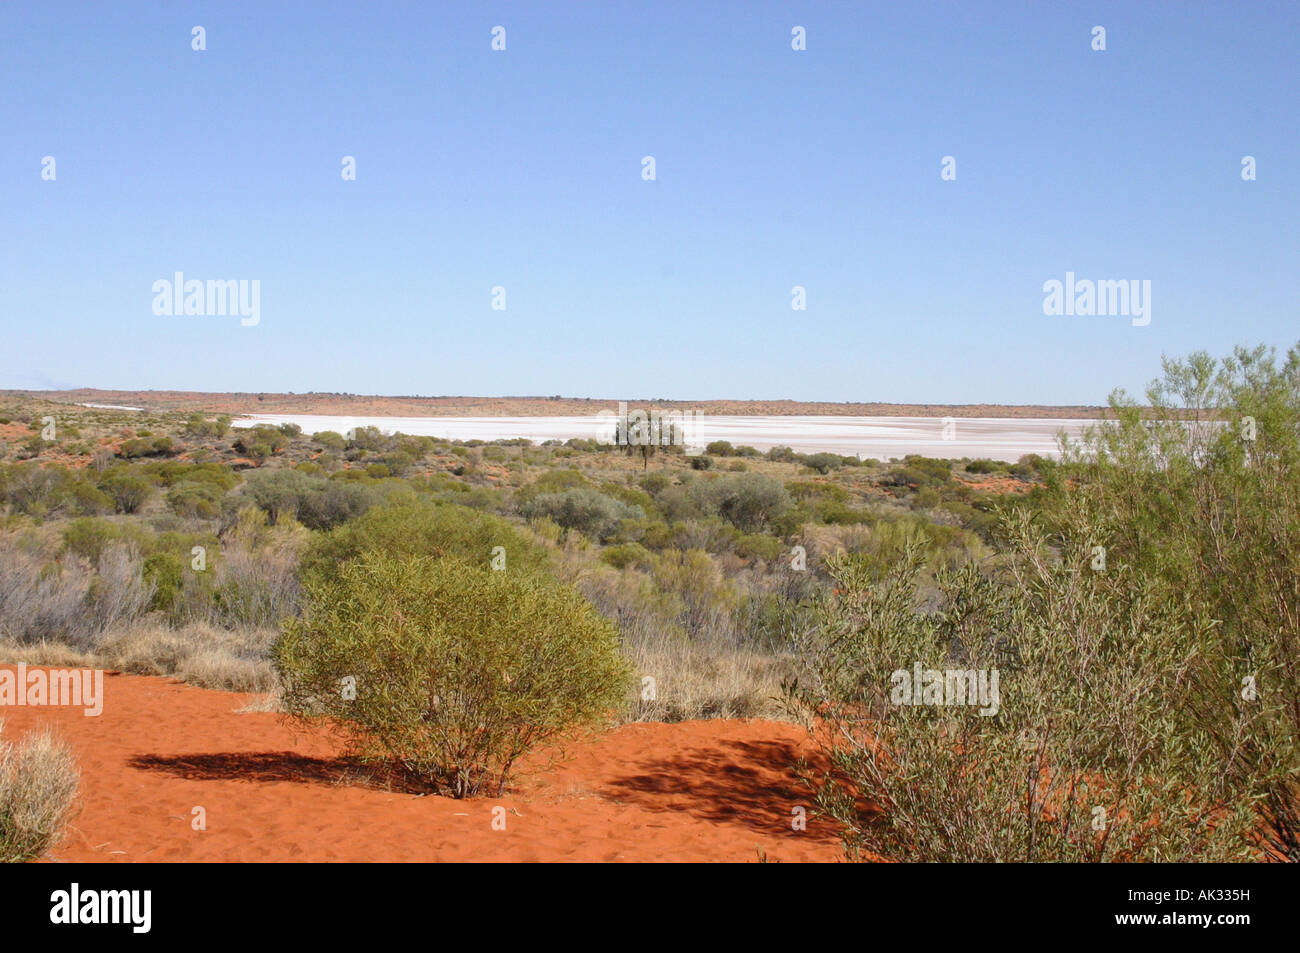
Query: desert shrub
[196, 425]
[1031, 467]
[456, 670]
[370, 439]
[817, 490]
[556, 481]
[625, 554]
[654, 483]
[118, 594]
[196, 500]
[720, 448]
[749, 501]
[334, 504]
[89, 536]
[399, 462]
[38, 783]
[1084, 752]
[936, 471]
[701, 462]
[823, 462]
[129, 491]
[426, 529]
[1198, 488]
[905, 477]
[232, 660]
[145, 447]
[757, 546]
[835, 512]
[259, 442]
[40, 599]
[588, 511]
[168, 473]
[40, 491]
[329, 440]
[256, 581]
[317, 502]
[164, 571]
[984, 466]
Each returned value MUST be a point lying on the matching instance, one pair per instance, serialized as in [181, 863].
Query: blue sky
[522, 169]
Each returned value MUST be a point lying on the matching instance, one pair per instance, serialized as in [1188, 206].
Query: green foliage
[145, 447]
[588, 511]
[1200, 493]
[128, 490]
[749, 501]
[89, 536]
[260, 442]
[330, 440]
[316, 502]
[426, 529]
[196, 500]
[164, 571]
[1094, 696]
[456, 670]
[196, 425]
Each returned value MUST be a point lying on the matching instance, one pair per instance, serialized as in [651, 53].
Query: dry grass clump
[38, 782]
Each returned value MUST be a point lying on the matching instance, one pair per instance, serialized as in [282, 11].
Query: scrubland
[1140, 599]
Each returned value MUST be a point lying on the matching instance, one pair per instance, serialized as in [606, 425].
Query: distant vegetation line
[451, 406]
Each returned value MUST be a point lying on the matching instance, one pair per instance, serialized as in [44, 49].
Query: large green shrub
[426, 529]
[749, 501]
[588, 511]
[451, 670]
[1087, 751]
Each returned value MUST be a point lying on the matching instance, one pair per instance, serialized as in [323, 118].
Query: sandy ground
[696, 791]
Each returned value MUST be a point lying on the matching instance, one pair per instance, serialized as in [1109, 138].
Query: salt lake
[1000, 438]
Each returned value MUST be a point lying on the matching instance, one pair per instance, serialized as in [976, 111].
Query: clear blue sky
[523, 169]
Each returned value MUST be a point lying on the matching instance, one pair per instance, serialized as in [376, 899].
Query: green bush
[452, 671]
[129, 491]
[749, 501]
[165, 572]
[1089, 723]
[258, 443]
[426, 529]
[588, 511]
[145, 447]
[330, 440]
[317, 502]
[196, 500]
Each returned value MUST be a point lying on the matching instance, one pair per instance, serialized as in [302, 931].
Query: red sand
[696, 791]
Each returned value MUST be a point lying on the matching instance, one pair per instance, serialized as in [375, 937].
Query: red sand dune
[697, 791]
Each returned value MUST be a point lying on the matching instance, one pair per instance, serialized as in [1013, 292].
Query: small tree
[451, 670]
